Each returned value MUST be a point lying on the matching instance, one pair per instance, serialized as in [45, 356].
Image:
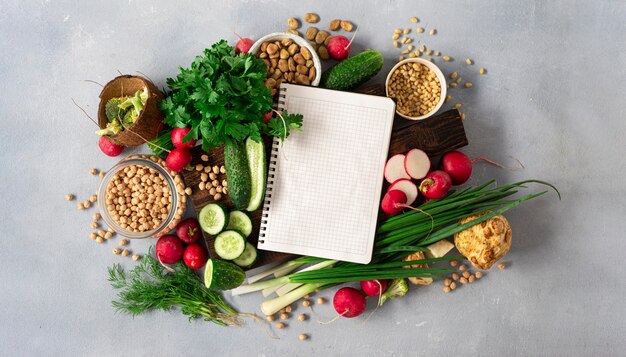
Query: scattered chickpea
[69, 197]
[303, 337]
[449, 98]
[80, 206]
[447, 58]
[301, 317]
[479, 274]
[466, 274]
[136, 257]
[458, 80]
[282, 310]
[224, 183]
[457, 106]
[280, 325]
[212, 176]
[452, 85]
[501, 266]
[217, 197]
[124, 242]
[207, 169]
[212, 191]
[306, 303]
[453, 286]
[223, 169]
[125, 253]
[453, 75]
[463, 267]
[284, 316]
[101, 174]
[321, 300]
[455, 276]
[471, 279]
[117, 251]
[307, 296]
[462, 116]
[288, 309]
[437, 53]
[482, 71]
[101, 233]
[204, 177]
[204, 157]
[216, 169]
[463, 280]
[94, 225]
[188, 191]
[199, 167]
[202, 186]
[87, 204]
[93, 171]
[93, 198]
[447, 282]
[96, 216]
[446, 289]
[225, 190]
[92, 235]
[99, 240]
[108, 235]
[270, 318]
[218, 189]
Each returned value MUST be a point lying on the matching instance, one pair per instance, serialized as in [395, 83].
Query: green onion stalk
[396, 238]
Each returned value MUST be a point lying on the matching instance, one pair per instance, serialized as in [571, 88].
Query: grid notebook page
[325, 181]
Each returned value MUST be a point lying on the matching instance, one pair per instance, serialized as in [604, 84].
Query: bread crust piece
[418, 256]
[485, 243]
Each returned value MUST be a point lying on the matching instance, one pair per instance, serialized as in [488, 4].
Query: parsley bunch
[222, 97]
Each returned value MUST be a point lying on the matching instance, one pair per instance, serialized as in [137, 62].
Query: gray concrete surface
[553, 98]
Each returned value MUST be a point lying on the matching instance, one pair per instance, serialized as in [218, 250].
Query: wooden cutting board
[436, 135]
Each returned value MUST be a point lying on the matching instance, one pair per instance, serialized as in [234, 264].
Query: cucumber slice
[229, 245]
[212, 218]
[248, 257]
[240, 222]
[256, 162]
[221, 275]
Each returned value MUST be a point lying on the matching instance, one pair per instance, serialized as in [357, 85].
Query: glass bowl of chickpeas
[141, 198]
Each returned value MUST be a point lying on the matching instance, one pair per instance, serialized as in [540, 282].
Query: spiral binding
[271, 171]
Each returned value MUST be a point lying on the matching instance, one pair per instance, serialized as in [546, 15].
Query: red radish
[394, 169]
[177, 159]
[195, 256]
[393, 202]
[268, 116]
[374, 287]
[436, 184]
[108, 148]
[339, 47]
[177, 138]
[188, 230]
[169, 249]
[458, 166]
[243, 45]
[349, 302]
[408, 187]
[416, 164]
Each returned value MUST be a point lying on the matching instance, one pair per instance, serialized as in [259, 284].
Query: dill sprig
[151, 287]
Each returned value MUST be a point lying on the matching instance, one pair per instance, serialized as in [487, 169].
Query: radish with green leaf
[374, 287]
[178, 159]
[178, 136]
[393, 202]
[436, 184]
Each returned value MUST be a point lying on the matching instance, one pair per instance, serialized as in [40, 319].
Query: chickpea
[280, 325]
[69, 197]
[301, 317]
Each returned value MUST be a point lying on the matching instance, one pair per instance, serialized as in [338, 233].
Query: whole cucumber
[353, 71]
[237, 173]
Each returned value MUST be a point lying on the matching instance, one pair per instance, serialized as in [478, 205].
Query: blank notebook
[325, 181]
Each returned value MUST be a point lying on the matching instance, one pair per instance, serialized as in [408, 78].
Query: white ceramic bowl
[442, 82]
[256, 47]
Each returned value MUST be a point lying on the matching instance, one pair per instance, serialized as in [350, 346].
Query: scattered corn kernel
[420, 30]
[468, 84]
[453, 75]
[468, 61]
[423, 48]
[395, 36]
[400, 58]
[482, 71]
[452, 85]
[432, 32]
[457, 106]
[303, 337]
[448, 98]
[437, 53]
[446, 58]
[397, 31]
[414, 19]
[406, 31]
[405, 51]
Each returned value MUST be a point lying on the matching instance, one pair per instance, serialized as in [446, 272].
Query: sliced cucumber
[221, 275]
[248, 257]
[212, 218]
[229, 244]
[240, 222]
[256, 162]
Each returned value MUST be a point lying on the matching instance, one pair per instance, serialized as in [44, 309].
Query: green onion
[400, 236]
